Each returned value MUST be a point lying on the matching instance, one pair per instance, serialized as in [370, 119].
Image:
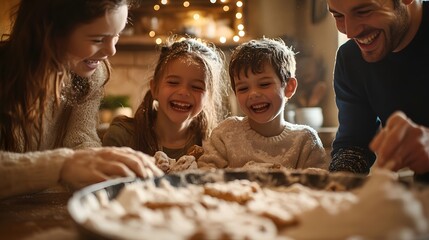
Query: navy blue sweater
[368, 93]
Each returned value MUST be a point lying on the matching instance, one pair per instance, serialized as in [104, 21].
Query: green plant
[113, 102]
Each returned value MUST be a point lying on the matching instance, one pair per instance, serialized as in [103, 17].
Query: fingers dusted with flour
[94, 165]
[402, 143]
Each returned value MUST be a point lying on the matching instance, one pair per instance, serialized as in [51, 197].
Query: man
[381, 82]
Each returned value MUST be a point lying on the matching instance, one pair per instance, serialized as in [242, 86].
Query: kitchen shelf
[137, 42]
[201, 19]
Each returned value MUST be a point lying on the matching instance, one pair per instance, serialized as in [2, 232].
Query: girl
[52, 70]
[183, 105]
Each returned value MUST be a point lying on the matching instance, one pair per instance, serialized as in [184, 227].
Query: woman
[52, 70]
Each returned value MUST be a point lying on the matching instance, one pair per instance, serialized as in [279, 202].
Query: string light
[238, 26]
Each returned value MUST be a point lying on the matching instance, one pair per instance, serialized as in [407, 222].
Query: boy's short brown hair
[252, 55]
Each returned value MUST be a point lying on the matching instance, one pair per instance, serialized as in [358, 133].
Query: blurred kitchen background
[304, 24]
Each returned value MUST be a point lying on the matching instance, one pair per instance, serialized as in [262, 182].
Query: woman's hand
[94, 165]
[402, 143]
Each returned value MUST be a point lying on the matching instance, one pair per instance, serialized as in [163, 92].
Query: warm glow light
[200, 20]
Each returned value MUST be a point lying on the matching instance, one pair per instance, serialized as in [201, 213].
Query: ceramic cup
[311, 116]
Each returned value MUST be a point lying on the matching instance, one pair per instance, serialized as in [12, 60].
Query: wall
[5, 6]
[279, 18]
[271, 18]
[131, 73]
[322, 39]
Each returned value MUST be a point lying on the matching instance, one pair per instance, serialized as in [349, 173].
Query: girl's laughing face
[181, 91]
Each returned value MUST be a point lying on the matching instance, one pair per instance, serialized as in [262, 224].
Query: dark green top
[121, 134]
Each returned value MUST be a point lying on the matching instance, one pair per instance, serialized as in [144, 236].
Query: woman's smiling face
[91, 43]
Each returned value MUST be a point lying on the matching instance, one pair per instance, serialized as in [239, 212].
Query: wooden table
[41, 215]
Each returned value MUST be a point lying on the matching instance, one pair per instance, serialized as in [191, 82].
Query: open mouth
[368, 39]
[261, 107]
[91, 63]
[180, 106]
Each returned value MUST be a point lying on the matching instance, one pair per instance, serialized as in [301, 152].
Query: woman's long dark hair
[32, 66]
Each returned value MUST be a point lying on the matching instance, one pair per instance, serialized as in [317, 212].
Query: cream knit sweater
[83, 122]
[30, 172]
[39, 169]
[233, 144]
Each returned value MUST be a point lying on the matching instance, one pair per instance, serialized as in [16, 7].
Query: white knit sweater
[233, 144]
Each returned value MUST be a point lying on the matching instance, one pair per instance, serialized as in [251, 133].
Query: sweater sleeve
[215, 151]
[351, 159]
[30, 172]
[358, 122]
[313, 154]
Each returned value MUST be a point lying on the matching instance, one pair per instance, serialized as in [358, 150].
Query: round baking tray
[82, 201]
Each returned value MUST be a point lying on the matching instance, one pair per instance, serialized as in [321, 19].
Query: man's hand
[402, 143]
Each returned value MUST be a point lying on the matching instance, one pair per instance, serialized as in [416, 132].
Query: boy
[262, 74]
